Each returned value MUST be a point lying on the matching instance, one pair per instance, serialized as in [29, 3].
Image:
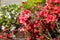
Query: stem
[49, 34]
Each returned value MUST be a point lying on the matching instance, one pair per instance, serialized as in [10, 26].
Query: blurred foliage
[32, 3]
[8, 14]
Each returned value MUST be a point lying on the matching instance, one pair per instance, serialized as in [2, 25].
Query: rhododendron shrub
[41, 24]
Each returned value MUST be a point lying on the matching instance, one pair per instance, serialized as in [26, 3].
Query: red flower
[56, 1]
[7, 35]
[58, 14]
[1, 36]
[50, 18]
[45, 13]
[54, 39]
[35, 30]
[29, 38]
[39, 14]
[40, 38]
[23, 17]
[48, 2]
[28, 27]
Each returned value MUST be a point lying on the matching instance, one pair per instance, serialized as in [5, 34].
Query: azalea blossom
[23, 17]
[44, 19]
[50, 18]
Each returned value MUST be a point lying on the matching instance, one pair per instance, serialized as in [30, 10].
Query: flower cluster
[44, 20]
[23, 17]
